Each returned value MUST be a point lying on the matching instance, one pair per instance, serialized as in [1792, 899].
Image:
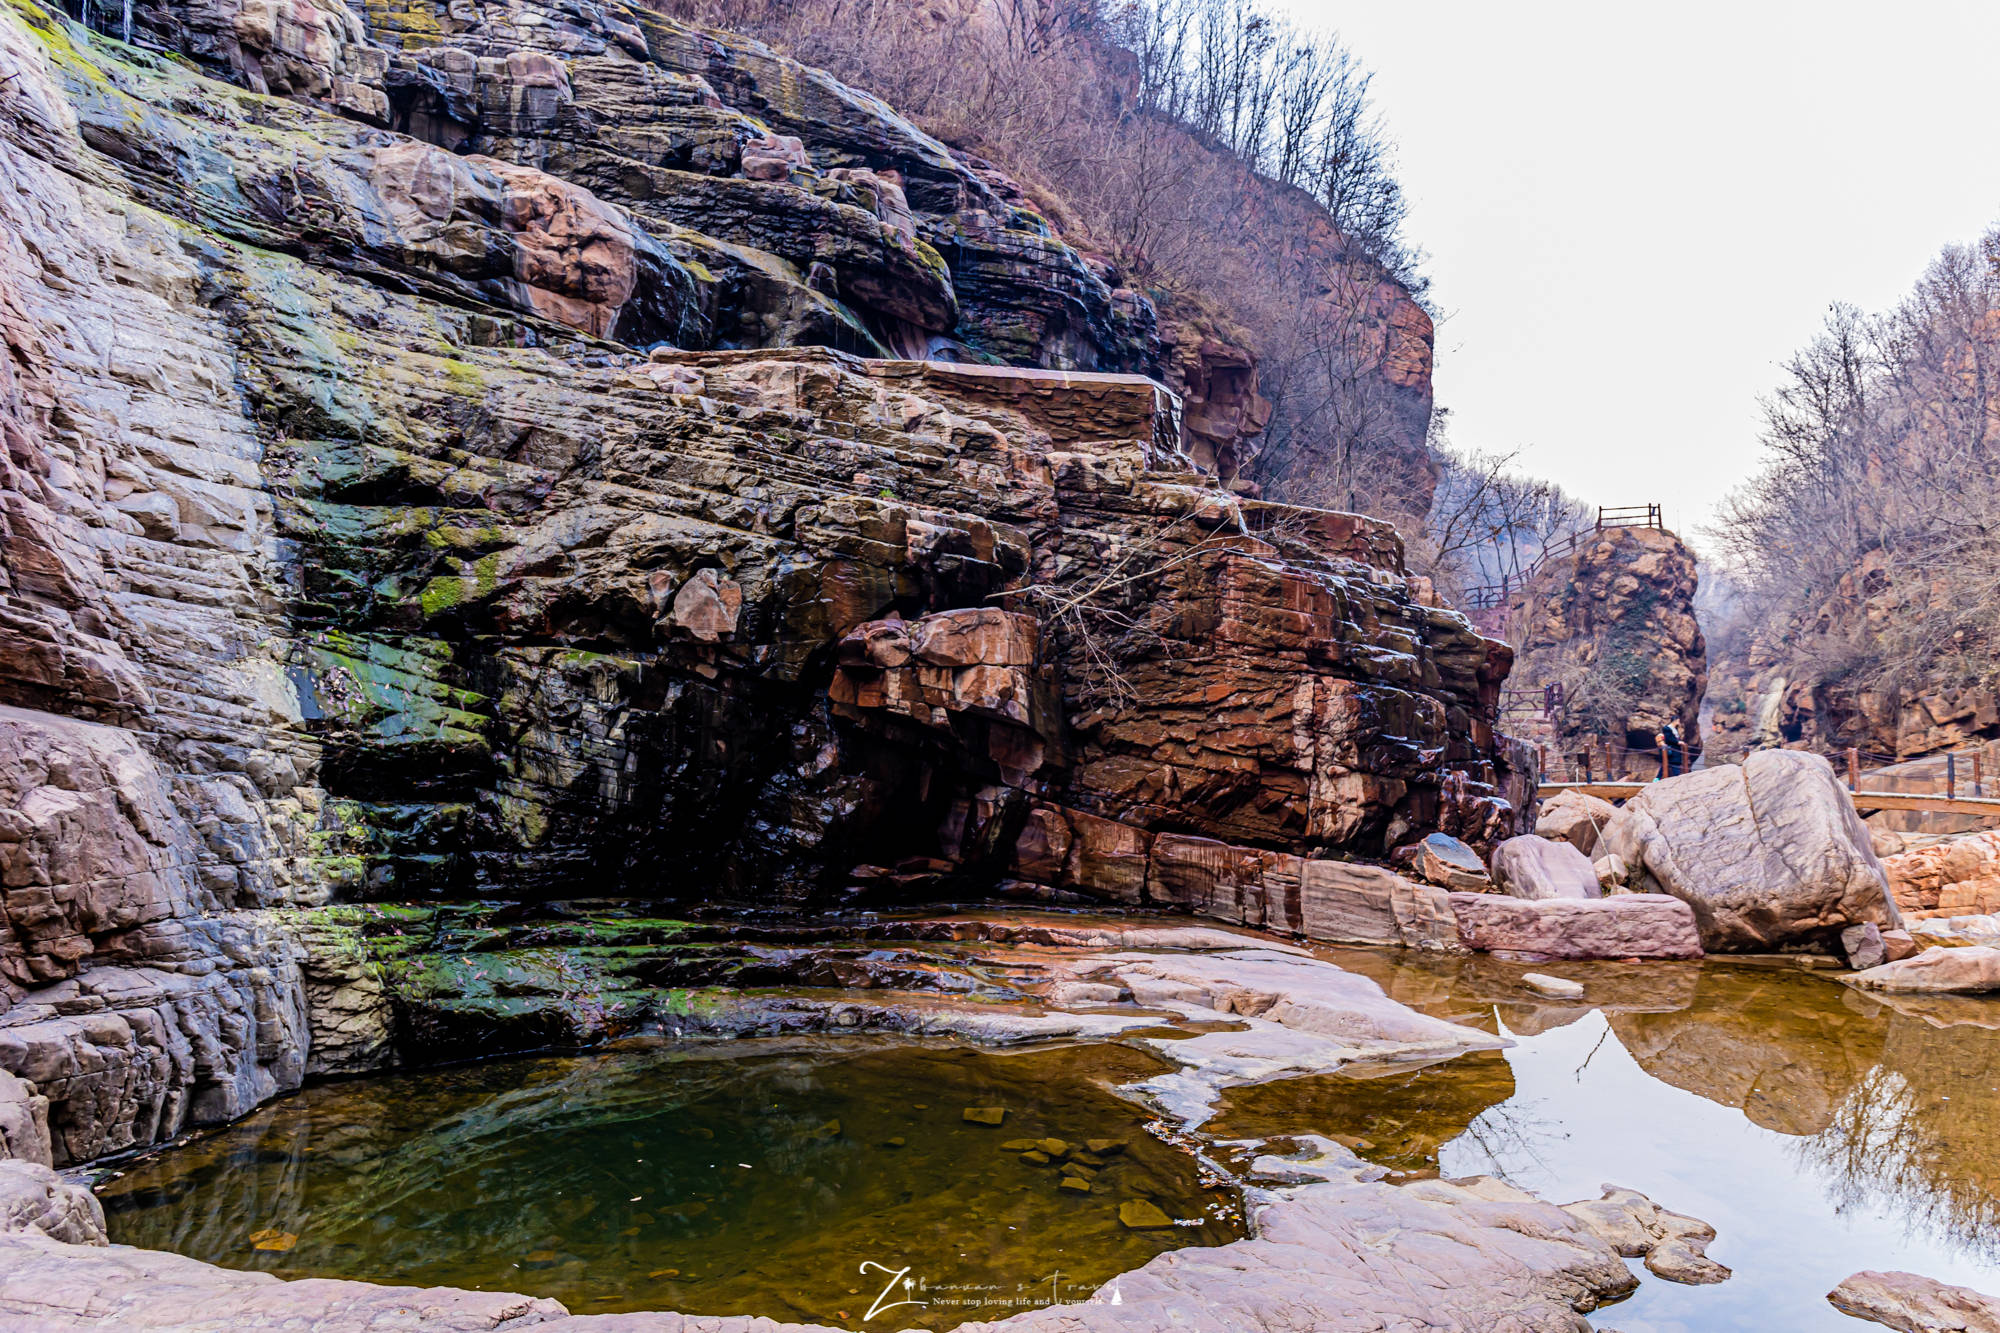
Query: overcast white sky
[1636, 212]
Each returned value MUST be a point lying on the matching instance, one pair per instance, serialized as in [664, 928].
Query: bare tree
[1869, 543]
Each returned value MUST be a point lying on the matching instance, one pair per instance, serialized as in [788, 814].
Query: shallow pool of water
[1819, 1131]
[753, 1179]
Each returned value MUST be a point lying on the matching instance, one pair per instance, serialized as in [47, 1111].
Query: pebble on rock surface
[1556, 987]
[985, 1115]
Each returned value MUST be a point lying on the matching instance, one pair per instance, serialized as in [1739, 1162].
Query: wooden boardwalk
[1864, 801]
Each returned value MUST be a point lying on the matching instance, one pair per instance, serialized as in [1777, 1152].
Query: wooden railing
[1486, 596]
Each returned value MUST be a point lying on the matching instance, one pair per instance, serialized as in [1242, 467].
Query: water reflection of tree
[1511, 1139]
[1915, 1137]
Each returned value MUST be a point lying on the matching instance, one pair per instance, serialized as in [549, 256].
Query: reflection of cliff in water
[1398, 1118]
[1895, 1107]
[1917, 1134]
[1784, 1047]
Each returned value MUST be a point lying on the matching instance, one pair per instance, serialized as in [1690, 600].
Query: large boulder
[1532, 867]
[1576, 818]
[1769, 853]
[1630, 925]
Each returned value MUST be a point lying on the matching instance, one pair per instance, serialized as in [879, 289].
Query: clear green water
[754, 1179]
[1819, 1131]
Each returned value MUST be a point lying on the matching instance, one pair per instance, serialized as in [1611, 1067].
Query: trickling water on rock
[755, 1178]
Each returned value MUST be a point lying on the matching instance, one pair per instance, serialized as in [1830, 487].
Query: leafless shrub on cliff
[1101, 610]
[1869, 543]
[1489, 521]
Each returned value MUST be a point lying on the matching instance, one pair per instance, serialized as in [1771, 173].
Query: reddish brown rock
[1612, 627]
[1628, 925]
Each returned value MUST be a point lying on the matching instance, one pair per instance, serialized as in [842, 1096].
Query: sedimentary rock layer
[354, 551]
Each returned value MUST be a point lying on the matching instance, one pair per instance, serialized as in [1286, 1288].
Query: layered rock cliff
[356, 550]
[1607, 634]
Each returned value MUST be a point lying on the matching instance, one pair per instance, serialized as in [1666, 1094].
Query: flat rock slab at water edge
[1769, 853]
[1972, 970]
[1916, 1304]
[1294, 1015]
[1338, 1252]
[1534, 867]
[1626, 925]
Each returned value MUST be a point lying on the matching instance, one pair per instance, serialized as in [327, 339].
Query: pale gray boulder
[1533, 867]
[1769, 853]
[1576, 818]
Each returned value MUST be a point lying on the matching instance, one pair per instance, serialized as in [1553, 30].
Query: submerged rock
[1769, 853]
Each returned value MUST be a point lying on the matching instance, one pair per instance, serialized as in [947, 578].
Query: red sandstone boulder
[1630, 925]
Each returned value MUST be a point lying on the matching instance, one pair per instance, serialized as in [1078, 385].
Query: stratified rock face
[352, 552]
[1614, 626]
[1770, 855]
[1954, 877]
[132, 1003]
